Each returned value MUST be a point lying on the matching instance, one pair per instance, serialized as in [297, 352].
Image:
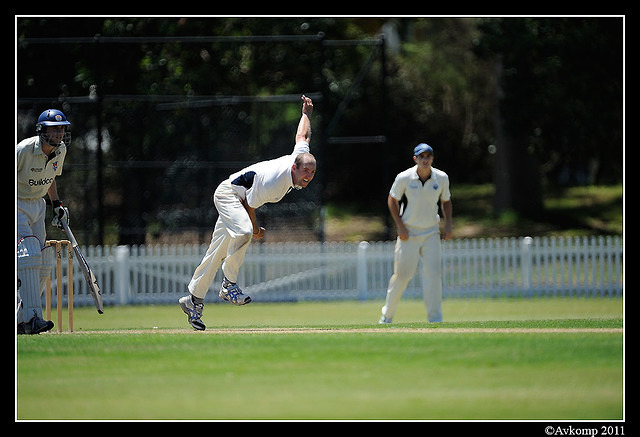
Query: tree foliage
[554, 103]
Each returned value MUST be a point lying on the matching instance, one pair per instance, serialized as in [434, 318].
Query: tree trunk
[516, 170]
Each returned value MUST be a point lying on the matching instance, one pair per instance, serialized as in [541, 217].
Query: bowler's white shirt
[421, 210]
[36, 172]
[272, 179]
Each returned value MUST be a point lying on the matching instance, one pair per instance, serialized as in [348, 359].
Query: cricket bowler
[413, 204]
[39, 161]
[236, 200]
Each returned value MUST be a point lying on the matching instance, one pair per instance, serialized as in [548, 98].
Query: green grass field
[504, 359]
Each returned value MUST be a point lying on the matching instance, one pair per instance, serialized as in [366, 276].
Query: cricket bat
[92, 282]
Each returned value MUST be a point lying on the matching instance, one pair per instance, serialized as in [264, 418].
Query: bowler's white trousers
[407, 253]
[229, 242]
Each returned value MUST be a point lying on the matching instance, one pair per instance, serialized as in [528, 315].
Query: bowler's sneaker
[230, 292]
[384, 321]
[193, 312]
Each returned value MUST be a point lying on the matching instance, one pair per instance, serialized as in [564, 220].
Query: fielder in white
[236, 200]
[39, 161]
[413, 204]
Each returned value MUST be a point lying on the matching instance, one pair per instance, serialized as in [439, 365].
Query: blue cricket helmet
[53, 117]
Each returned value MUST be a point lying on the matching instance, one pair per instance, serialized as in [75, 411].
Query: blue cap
[421, 148]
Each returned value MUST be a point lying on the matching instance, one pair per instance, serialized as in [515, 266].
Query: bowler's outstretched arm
[304, 126]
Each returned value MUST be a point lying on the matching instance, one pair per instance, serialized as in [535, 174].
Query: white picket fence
[547, 266]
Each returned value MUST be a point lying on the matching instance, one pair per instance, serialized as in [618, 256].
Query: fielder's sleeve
[398, 188]
[445, 195]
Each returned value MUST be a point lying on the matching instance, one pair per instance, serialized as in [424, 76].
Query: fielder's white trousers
[229, 242]
[425, 248]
